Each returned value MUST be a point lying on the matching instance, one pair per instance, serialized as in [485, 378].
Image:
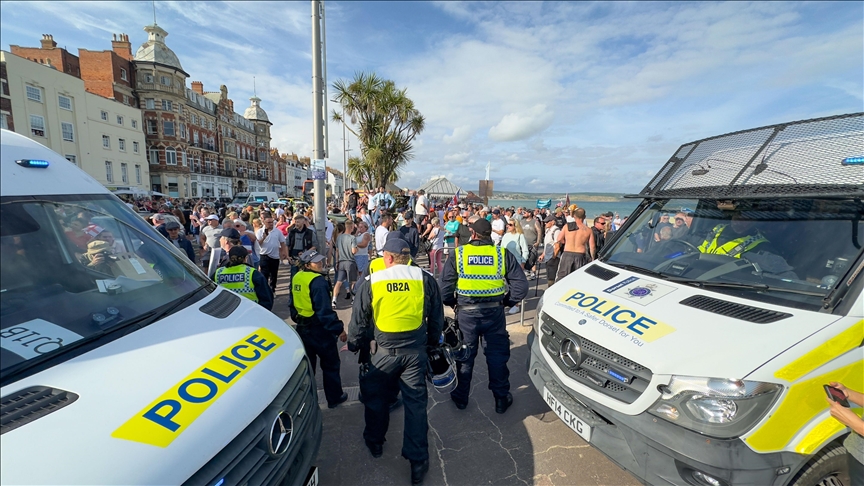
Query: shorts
[569, 262]
[362, 262]
[346, 271]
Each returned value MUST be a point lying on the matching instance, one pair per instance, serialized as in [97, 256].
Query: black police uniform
[484, 317]
[319, 334]
[399, 363]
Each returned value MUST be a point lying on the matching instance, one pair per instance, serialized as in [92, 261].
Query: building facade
[100, 135]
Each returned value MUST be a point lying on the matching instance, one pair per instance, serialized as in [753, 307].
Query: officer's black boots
[418, 471]
[341, 399]
[502, 404]
[460, 405]
[376, 449]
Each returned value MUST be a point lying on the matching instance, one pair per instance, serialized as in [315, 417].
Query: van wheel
[828, 468]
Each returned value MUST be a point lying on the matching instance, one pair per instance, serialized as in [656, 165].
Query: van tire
[828, 468]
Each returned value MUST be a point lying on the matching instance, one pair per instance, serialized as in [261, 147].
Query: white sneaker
[513, 310]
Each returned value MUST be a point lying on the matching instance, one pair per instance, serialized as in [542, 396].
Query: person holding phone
[854, 443]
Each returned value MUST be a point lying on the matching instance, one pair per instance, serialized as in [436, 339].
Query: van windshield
[783, 251]
[241, 198]
[74, 267]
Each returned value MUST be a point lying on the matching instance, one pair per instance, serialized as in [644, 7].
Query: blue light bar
[853, 161]
[36, 164]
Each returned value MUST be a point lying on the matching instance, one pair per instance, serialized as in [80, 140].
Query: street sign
[318, 170]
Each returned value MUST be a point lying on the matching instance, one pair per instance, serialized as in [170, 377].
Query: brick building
[110, 73]
[50, 55]
[6, 120]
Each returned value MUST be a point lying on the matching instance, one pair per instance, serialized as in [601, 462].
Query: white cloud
[518, 126]
[460, 134]
[458, 157]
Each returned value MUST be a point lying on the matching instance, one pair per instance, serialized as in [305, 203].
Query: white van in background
[256, 198]
[122, 361]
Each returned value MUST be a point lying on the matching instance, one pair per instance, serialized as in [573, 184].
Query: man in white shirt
[551, 249]
[381, 233]
[273, 250]
[364, 216]
[421, 209]
[498, 226]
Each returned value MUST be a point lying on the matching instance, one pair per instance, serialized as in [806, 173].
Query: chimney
[231, 105]
[48, 41]
[121, 46]
[198, 87]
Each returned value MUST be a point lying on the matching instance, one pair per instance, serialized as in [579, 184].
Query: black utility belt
[401, 351]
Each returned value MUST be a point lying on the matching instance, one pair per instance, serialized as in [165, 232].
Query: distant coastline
[594, 197]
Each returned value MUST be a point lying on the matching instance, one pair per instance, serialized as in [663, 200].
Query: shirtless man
[575, 235]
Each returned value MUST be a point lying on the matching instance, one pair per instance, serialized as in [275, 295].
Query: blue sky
[564, 97]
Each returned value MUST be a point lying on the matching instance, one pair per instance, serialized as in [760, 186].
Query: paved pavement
[526, 445]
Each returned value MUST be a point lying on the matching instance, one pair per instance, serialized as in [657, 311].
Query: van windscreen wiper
[743, 286]
[638, 269]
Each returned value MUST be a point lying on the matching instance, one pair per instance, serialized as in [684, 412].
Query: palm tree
[385, 121]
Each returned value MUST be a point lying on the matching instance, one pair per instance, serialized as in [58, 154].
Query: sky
[556, 96]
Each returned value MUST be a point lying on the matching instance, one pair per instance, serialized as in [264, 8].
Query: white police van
[696, 353]
[121, 362]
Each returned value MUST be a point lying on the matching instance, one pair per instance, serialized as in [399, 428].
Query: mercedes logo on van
[280, 434]
[570, 353]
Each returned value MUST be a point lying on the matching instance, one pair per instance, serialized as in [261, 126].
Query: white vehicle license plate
[572, 421]
[313, 477]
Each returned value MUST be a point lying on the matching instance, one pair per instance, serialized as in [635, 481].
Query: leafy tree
[385, 121]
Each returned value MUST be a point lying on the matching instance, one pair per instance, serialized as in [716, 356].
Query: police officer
[317, 322]
[740, 238]
[242, 279]
[378, 263]
[400, 307]
[474, 280]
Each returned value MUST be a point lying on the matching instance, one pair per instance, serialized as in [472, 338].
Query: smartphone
[836, 395]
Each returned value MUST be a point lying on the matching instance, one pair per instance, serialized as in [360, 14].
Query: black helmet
[452, 338]
[441, 370]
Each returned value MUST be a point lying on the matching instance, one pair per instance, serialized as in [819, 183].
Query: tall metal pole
[318, 124]
[344, 154]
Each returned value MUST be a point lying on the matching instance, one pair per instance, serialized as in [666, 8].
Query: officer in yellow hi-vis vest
[317, 323]
[242, 279]
[400, 308]
[378, 263]
[740, 239]
[481, 279]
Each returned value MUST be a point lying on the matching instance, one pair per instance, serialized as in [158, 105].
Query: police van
[121, 362]
[695, 349]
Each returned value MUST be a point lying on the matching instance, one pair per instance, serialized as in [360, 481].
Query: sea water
[623, 207]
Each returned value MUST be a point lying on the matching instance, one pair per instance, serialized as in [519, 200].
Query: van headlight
[717, 407]
[537, 317]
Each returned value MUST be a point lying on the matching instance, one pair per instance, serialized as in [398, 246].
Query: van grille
[734, 310]
[600, 272]
[246, 459]
[29, 404]
[601, 369]
[222, 305]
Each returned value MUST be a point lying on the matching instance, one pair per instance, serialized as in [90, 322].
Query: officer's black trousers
[379, 389]
[489, 324]
[320, 343]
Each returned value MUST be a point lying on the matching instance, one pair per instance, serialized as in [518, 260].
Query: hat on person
[238, 251]
[230, 233]
[394, 235]
[158, 217]
[481, 227]
[311, 256]
[549, 219]
[172, 225]
[397, 246]
[409, 214]
[211, 217]
[496, 211]
[98, 246]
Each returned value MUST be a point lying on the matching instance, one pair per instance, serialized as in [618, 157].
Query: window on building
[195, 138]
[210, 124]
[106, 142]
[165, 80]
[148, 78]
[65, 102]
[123, 75]
[183, 160]
[34, 93]
[168, 128]
[72, 158]
[194, 119]
[135, 147]
[68, 132]
[121, 144]
[183, 131]
[125, 99]
[119, 120]
[151, 127]
[170, 156]
[134, 123]
[166, 105]
[153, 157]
[150, 103]
[3, 123]
[104, 115]
[137, 173]
[109, 171]
[37, 125]
[124, 176]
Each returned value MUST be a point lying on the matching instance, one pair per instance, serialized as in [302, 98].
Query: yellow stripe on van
[834, 347]
[820, 434]
[162, 421]
[800, 406]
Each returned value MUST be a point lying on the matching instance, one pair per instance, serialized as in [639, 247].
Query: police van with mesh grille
[694, 350]
[120, 361]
